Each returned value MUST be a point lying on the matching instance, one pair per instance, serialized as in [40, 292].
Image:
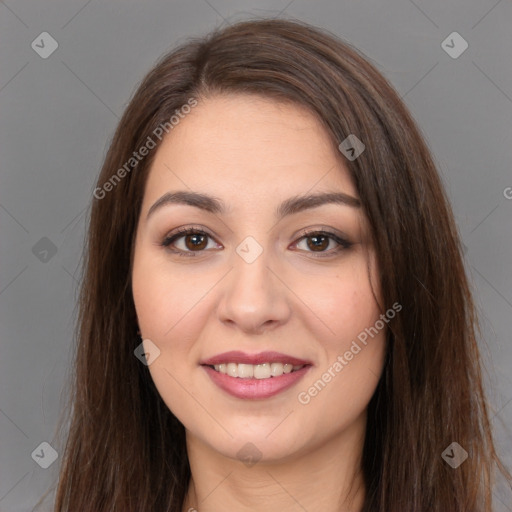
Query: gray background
[58, 114]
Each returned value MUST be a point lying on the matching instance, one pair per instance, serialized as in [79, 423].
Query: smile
[255, 388]
[256, 371]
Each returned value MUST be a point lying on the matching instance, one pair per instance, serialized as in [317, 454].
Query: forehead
[247, 146]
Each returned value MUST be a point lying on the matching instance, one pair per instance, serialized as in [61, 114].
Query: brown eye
[194, 241]
[318, 242]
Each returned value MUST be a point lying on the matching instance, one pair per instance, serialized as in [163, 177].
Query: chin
[260, 443]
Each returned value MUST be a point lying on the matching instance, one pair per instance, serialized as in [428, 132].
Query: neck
[319, 478]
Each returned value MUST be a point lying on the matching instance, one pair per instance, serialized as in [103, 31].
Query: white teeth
[256, 371]
[232, 369]
[276, 369]
[246, 371]
[262, 371]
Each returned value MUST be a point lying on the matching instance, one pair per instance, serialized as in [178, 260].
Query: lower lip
[255, 388]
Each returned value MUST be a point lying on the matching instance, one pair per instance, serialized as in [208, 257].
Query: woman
[274, 296]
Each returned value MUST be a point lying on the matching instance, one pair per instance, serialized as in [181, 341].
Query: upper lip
[235, 356]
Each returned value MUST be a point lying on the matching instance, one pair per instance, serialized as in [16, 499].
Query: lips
[238, 357]
[255, 388]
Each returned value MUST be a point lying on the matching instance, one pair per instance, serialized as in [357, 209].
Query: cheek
[353, 347]
[165, 300]
[344, 302]
[170, 313]
[339, 390]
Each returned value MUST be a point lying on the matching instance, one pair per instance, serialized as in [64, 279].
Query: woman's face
[256, 278]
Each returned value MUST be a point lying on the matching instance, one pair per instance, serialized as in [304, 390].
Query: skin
[253, 153]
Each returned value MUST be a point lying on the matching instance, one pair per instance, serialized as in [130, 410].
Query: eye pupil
[194, 245]
[315, 245]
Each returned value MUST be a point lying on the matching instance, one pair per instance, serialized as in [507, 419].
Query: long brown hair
[125, 450]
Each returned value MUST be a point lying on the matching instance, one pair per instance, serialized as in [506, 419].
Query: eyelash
[180, 233]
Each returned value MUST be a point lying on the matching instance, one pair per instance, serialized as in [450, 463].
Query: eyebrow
[290, 206]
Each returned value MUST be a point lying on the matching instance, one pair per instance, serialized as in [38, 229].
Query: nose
[254, 299]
